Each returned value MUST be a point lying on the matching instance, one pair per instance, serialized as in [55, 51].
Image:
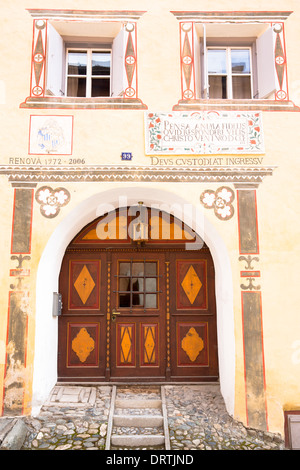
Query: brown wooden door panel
[193, 317]
[82, 325]
[164, 327]
[138, 331]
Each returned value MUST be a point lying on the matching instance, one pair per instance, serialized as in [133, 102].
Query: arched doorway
[138, 302]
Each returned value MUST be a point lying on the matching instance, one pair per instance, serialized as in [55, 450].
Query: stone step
[137, 420]
[137, 403]
[132, 440]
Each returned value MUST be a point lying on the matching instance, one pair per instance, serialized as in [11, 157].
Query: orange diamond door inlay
[191, 284]
[84, 284]
[126, 344]
[192, 344]
[149, 356]
[83, 345]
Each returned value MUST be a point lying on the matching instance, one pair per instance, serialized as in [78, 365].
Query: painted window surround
[119, 26]
[191, 23]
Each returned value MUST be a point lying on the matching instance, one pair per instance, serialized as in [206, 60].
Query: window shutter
[118, 66]
[265, 64]
[55, 62]
[197, 63]
[204, 75]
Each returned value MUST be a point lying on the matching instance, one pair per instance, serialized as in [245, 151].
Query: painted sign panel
[206, 132]
[51, 135]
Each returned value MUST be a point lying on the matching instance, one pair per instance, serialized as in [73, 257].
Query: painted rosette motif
[219, 200]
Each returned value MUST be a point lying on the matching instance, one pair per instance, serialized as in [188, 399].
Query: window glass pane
[241, 87]
[77, 63]
[138, 284]
[217, 87]
[124, 300]
[124, 284]
[100, 87]
[76, 87]
[101, 63]
[137, 300]
[240, 60]
[150, 269]
[150, 284]
[151, 301]
[216, 60]
[138, 269]
[124, 269]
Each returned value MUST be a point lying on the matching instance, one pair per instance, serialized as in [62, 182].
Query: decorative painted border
[97, 173]
[251, 305]
[224, 15]
[16, 374]
[86, 14]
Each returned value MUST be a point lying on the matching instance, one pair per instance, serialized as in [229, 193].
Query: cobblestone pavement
[197, 420]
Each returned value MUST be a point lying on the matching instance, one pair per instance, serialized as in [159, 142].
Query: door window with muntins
[138, 284]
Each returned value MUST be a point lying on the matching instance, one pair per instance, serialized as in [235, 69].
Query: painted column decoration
[187, 60]
[251, 310]
[130, 61]
[18, 302]
[38, 61]
[280, 63]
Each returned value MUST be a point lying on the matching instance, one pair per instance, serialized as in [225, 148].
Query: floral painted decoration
[219, 200]
[51, 200]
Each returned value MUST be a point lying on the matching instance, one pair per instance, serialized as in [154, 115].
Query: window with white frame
[85, 60]
[235, 61]
[229, 72]
[88, 72]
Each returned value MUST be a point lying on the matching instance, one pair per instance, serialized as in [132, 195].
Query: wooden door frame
[170, 253]
[45, 362]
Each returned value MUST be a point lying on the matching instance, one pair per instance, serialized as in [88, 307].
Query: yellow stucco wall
[101, 135]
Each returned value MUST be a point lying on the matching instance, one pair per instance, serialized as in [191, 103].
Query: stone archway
[45, 364]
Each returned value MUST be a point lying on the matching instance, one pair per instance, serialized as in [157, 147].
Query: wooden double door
[137, 315]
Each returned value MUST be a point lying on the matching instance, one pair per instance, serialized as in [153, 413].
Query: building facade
[149, 214]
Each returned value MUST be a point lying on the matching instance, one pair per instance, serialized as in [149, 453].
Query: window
[88, 73]
[229, 73]
[237, 62]
[265, 81]
[83, 64]
[84, 59]
[138, 284]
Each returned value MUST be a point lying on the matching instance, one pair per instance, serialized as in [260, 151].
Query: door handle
[114, 314]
